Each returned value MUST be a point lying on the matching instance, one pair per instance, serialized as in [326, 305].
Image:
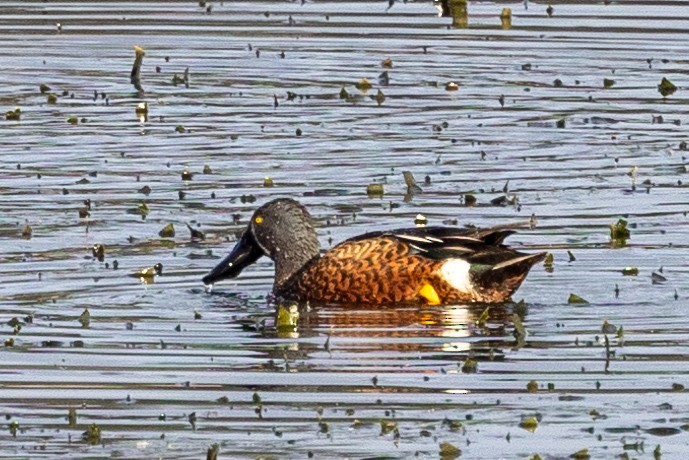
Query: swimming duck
[411, 266]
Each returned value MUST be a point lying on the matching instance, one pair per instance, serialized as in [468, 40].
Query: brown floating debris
[387, 63]
[451, 86]
[196, 234]
[379, 97]
[267, 182]
[92, 435]
[44, 88]
[27, 232]
[98, 251]
[619, 233]
[52, 98]
[186, 174]
[608, 83]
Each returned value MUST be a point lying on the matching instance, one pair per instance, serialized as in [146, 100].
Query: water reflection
[456, 9]
[463, 329]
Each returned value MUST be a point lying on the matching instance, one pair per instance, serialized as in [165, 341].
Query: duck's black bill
[245, 252]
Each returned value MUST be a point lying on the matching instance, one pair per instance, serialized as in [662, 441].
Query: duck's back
[414, 266]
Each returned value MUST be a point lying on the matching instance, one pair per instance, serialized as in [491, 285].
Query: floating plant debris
[44, 88]
[506, 18]
[268, 182]
[666, 87]
[92, 435]
[619, 233]
[386, 63]
[449, 451]
[573, 298]
[52, 98]
[630, 271]
[187, 175]
[608, 83]
[451, 86]
[363, 85]
[150, 272]
[379, 97]
[374, 190]
[470, 366]
[167, 232]
[196, 234]
[13, 115]
[529, 424]
[98, 251]
[548, 263]
[27, 232]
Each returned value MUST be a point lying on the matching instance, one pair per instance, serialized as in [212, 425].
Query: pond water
[562, 111]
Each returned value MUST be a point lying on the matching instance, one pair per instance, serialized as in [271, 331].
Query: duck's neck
[297, 249]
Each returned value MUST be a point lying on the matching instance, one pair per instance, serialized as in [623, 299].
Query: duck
[432, 265]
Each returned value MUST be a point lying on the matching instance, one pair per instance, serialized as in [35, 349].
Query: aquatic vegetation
[72, 417]
[573, 298]
[506, 18]
[470, 366]
[529, 424]
[375, 190]
[449, 451]
[619, 233]
[363, 85]
[27, 232]
[168, 231]
[196, 234]
[666, 87]
[13, 115]
[92, 435]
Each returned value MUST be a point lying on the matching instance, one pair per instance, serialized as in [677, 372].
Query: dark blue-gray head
[280, 229]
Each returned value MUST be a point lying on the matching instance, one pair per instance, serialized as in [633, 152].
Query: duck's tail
[504, 278]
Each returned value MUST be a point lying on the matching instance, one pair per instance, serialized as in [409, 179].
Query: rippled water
[167, 370]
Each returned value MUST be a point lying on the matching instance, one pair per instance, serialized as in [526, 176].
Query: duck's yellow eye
[258, 220]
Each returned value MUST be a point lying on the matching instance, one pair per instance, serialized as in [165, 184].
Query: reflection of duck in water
[428, 265]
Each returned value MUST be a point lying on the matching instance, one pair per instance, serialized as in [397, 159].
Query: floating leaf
[619, 233]
[608, 83]
[92, 435]
[363, 85]
[582, 454]
[470, 366]
[529, 424]
[13, 115]
[85, 318]
[506, 18]
[449, 451]
[666, 87]
[72, 417]
[27, 232]
[573, 298]
[375, 190]
[167, 232]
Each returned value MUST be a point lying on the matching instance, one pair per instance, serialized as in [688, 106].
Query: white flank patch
[456, 273]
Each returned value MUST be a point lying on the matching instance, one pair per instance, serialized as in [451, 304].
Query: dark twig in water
[136, 69]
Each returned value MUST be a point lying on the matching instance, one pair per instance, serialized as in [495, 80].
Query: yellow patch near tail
[428, 293]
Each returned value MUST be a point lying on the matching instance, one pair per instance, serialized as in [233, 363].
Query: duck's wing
[449, 242]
